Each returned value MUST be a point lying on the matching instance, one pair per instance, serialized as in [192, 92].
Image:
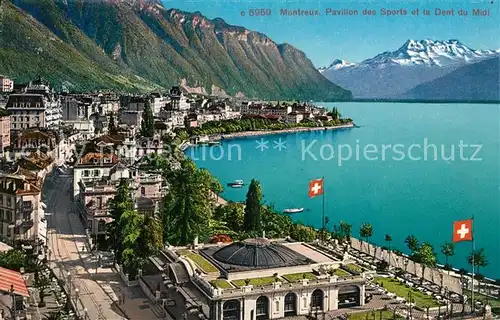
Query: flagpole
[323, 223]
[473, 249]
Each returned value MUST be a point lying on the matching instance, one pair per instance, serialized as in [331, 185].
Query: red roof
[11, 277]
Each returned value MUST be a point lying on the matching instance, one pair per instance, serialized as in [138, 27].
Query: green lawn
[354, 268]
[421, 299]
[371, 315]
[341, 273]
[221, 283]
[256, 281]
[203, 263]
[294, 277]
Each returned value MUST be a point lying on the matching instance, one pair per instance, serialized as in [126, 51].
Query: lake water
[402, 176]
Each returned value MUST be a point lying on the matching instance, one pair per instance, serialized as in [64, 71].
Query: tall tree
[121, 202]
[388, 239]
[147, 123]
[366, 232]
[479, 259]
[188, 207]
[448, 249]
[426, 256]
[412, 244]
[345, 230]
[151, 236]
[252, 220]
[131, 223]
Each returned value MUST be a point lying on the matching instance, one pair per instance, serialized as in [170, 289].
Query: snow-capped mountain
[431, 53]
[336, 65]
[392, 73]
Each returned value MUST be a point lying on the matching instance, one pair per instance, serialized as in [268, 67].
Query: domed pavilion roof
[259, 253]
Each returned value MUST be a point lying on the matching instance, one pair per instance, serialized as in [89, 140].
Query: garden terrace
[420, 299]
[374, 314]
[257, 282]
[201, 262]
[299, 276]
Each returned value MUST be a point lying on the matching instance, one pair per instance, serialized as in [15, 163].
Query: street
[95, 291]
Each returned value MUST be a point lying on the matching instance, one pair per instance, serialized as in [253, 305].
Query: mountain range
[141, 45]
[394, 74]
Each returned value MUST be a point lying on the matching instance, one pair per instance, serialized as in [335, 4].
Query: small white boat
[236, 184]
[293, 210]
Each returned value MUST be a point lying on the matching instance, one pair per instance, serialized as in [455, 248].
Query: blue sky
[355, 38]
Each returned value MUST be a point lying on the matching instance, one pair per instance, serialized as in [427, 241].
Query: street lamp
[76, 299]
[85, 313]
[410, 300]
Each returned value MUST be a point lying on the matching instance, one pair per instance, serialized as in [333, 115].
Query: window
[99, 202]
[1, 199]
[277, 306]
[143, 191]
[86, 173]
[9, 216]
[2, 215]
[9, 201]
[8, 232]
[96, 173]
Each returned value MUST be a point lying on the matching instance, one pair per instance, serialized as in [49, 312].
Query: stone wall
[432, 275]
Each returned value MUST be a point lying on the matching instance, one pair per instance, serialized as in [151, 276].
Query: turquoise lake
[401, 177]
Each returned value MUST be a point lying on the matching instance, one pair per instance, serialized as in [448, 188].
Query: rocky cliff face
[165, 46]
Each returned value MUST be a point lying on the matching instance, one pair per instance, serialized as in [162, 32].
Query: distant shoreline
[419, 101]
[291, 130]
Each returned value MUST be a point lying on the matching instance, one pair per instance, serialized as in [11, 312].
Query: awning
[9, 278]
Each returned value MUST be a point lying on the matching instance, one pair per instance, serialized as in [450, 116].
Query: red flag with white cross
[315, 188]
[462, 230]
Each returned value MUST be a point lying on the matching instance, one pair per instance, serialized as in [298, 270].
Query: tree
[335, 114]
[147, 123]
[448, 249]
[252, 219]
[13, 259]
[345, 230]
[121, 202]
[131, 223]
[366, 232]
[302, 233]
[412, 244]
[426, 256]
[188, 207]
[388, 239]
[150, 239]
[232, 214]
[41, 282]
[477, 259]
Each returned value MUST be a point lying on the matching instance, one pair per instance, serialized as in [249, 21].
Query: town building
[4, 130]
[21, 213]
[37, 107]
[177, 100]
[294, 117]
[6, 84]
[96, 177]
[305, 280]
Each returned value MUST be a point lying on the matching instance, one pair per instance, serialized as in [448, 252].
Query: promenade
[95, 291]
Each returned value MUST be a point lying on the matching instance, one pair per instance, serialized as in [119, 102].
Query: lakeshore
[257, 133]
[415, 198]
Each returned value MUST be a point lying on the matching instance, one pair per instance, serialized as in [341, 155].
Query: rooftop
[254, 254]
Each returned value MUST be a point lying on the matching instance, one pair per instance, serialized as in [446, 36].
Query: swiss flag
[315, 188]
[462, 230]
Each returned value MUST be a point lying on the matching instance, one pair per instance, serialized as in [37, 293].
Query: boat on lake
[236, 184]
[293, 210]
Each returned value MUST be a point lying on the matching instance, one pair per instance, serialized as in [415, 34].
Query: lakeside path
[291, 130]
